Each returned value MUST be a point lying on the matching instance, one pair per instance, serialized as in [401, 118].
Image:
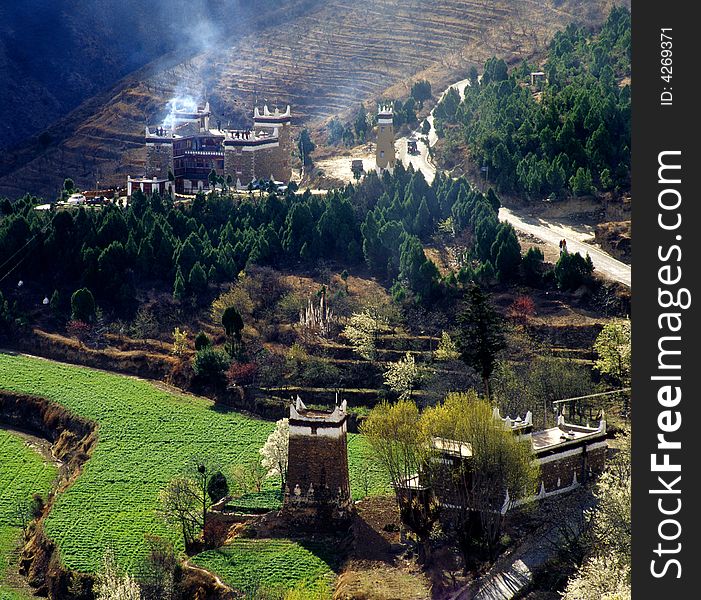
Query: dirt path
[422, 161]
[579, 239]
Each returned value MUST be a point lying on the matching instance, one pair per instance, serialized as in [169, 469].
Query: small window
[382, 153]
[313, 430]
[382, 128]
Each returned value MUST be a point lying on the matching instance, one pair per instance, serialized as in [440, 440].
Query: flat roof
[549, 438]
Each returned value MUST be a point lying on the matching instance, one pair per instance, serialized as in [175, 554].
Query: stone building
[318, 487]
[384, 153]
[276, 124]
[187, 149]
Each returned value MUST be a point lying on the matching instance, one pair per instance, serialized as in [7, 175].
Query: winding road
[550, 232]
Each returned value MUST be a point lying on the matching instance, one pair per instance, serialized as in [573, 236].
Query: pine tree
[480, 335]
[179, 286]
[507, 252]
[198, 279]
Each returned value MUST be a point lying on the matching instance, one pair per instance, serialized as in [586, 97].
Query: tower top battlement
[299, 413]
[268, 117]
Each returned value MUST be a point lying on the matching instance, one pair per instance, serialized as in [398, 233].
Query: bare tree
[180, 506]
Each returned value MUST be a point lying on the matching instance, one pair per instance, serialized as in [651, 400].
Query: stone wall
[561, 470]
[320, 463]
[159, 159]
[239, 164]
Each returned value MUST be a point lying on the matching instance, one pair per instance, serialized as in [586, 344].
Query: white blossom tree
[606, 572]
[363, 330]
[402, 376]
[275, 451]
[447, 349]
[112, 585]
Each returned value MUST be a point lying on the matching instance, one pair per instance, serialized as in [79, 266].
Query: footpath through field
[550, 232]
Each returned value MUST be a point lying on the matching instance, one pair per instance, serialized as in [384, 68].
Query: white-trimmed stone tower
[384, 154]
[318, 487]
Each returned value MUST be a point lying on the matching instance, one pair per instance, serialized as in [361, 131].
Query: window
[382, 153]
[313, 430]
[382, 128]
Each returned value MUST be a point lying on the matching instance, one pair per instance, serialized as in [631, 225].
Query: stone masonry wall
[159, 158]
[321, 462]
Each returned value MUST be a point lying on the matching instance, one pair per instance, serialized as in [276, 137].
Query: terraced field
[276, 563]
[324, 59]
[24, 472]
[145, 436]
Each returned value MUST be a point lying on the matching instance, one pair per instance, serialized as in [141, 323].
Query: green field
[145, 436]
[23, 472]
[248, 564]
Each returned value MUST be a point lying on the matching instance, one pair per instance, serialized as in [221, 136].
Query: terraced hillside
[323, 60]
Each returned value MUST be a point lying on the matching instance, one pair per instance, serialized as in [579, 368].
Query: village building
[318, 485]
[567, 454]
[186, 149]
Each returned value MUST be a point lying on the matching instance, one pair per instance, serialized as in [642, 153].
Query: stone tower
[276, 123]
[159, 152]
[318, 488]
[384, 155]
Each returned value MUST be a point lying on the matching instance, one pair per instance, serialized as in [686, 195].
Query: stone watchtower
[384, 155]
[275, 123]
[318, 488]
[159, 152]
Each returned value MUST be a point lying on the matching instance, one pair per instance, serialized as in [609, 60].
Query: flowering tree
[363, 330]
[275, 451]
[606, 573]
[447, 349]
[112, 585]
[179, 342]
[402, 376]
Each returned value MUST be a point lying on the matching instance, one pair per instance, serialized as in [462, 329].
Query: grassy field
[145, 436]
[250, 564]
[23, 472]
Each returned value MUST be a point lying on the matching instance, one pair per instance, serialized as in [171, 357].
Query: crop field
[145, 436]
[23, 473]
[250, 564]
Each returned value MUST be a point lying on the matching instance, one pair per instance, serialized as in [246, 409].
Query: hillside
[323, 58]
[56, 55]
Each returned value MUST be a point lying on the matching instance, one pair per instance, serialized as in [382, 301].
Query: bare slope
[322, 57]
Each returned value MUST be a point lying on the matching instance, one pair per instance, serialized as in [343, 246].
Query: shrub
[79, 330]
[83, 305]
[202, 341]
[572, 270]
[522, 308]
[217, 487]
[240, 374]
[210, 362]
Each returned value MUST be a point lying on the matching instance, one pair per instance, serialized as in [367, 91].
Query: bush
[82, 305]
[202, 341]
[572, 270]
[210, 362]
[240, 374]
[217, 487]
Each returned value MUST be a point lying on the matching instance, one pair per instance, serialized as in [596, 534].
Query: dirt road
[421, 161]
[579, 239]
